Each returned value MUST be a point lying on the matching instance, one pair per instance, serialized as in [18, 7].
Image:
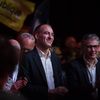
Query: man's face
[91, 49]
[45, 37]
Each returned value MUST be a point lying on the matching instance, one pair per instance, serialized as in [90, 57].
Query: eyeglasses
[46, 32]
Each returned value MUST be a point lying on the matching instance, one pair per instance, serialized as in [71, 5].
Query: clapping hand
[19, 84]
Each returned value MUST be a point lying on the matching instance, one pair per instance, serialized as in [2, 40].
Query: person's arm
[76, 80]
[31, 87]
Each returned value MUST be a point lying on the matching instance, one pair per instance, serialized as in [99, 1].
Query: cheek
[52, 38]
[86, 51]
[41, 39]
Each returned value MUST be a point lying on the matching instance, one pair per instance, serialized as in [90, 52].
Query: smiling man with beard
[42, 66]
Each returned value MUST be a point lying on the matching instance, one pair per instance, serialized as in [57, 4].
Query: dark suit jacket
[78, 81]
[33, 70]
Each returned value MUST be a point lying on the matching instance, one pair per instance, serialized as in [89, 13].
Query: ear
[36, 36]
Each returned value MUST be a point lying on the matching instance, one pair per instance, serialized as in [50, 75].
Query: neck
[44, 50]
[90, 60]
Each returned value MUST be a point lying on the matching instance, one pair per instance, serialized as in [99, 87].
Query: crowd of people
[31, 67]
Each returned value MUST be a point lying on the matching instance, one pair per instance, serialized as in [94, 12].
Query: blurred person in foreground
[84, 73]
[70, 51]
[8, 61]
[13, 83]
[43, 68]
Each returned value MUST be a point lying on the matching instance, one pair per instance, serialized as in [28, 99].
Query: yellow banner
[14, 12]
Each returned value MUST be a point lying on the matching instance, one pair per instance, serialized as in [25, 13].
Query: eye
[92, 46]
[46, 32]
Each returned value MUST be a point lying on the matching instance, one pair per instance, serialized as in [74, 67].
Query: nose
[51, 36]
[92, 49]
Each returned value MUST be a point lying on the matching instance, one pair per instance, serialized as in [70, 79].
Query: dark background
[68, 17]
[75, 17]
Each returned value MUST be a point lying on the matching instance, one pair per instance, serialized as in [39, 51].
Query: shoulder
[98, 60]
[77, 61]
[31, 53]
[76, 64]
[54, 56]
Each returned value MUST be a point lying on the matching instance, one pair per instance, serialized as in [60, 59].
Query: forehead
[91, 42]
[46, 28]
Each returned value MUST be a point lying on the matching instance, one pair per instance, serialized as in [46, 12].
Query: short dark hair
[38, 28]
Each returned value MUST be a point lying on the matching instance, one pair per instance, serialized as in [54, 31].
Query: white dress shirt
[47, 65]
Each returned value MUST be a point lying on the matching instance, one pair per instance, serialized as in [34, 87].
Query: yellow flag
[14, 12]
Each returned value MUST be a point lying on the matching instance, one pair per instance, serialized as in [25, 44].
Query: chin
[93, 57]
[49, 45]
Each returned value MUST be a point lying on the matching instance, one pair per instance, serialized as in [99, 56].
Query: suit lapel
[98, 71]
[53, 66]
[55, 69]
[39, 64]
[84, 70]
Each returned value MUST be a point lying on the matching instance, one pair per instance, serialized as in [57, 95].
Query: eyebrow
[91, 45]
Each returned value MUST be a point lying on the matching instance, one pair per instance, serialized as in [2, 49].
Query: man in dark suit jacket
[42, 67]
[84, 73]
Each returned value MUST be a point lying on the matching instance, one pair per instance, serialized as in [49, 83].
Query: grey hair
[22, 35]
[91, 37]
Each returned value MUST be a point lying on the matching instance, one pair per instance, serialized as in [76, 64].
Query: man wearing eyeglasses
[84, 73]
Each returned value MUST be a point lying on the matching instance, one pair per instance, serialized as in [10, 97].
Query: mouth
[50, 41]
